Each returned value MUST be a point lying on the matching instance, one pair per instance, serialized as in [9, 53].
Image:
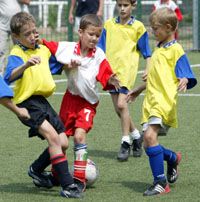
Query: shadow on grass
[102, 153]
[139, 187]
[27, 188]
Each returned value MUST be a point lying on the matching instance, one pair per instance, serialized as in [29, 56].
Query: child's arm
[100, 9]
[184, 74]
[144, 75]
[133, 94]
[20, 70]
[22, 113]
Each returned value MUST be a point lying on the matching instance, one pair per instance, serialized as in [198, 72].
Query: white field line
[139, 72]
[181, 95]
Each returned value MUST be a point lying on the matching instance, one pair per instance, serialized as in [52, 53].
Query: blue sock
[156, 161]
[169, 155]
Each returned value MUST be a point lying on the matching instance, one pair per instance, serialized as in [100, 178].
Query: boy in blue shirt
[168, 73]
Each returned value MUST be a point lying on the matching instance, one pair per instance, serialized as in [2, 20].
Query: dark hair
[19, 20]
[90, 19]
[133, 2]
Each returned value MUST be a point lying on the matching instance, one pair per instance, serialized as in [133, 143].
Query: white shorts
[155, 120]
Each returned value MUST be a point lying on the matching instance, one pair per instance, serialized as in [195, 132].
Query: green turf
[121, 182]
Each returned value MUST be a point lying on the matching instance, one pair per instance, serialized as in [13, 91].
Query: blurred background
[52, 19]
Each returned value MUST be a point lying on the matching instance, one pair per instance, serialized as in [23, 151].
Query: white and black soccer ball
[91, 173]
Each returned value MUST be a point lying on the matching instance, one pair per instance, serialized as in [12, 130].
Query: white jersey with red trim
[82, 80]
[169, 4]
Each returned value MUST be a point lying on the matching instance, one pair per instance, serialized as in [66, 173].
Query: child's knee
[64, 141]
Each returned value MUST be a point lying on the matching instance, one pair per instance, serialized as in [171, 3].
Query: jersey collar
[168, 44]
[77, 50]
[130, 22]
[24, 48]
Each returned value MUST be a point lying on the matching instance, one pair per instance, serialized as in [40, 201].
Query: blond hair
[164, 16]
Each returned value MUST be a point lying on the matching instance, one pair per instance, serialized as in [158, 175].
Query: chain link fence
[52, 19]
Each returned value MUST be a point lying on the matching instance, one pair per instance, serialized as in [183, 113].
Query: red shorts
[76, 112]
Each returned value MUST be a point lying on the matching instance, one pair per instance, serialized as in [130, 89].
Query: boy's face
[125, 9]
[89, 37]
[162, 33]
[27, 36]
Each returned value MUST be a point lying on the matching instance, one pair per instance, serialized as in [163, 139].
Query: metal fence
[51, 17]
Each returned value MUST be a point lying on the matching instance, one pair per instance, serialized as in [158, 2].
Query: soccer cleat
[124, 152]
[160, 187]
[137, 147]
[71, 191]
[81, 185]
[53, 179]
[39, 179]
[172, 170]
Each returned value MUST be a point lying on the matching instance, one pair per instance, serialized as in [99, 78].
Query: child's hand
[182, 86]
[37, 38]
[33, 61]
[113, 80]
[23, 114]
[132, 95]
[73, 64]
[144, 75]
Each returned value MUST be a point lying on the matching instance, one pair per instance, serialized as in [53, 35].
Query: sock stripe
[58, 158]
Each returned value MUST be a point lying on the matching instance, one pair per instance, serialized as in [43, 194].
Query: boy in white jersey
[124, 39]
[169, 72]
[87, 65]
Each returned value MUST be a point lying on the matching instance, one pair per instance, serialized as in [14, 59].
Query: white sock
[135, 134]
[126, 138]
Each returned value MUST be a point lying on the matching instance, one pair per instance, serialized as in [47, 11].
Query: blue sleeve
[5, 91]
[13, 62]
[143, 45]
[102, 41]
[183, 69]
[55, 66]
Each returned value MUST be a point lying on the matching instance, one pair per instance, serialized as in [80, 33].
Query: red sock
[79, 170]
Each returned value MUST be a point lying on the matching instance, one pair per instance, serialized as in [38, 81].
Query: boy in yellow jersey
[5, 99]
[169, 72]
[28, 65]
[123, 39]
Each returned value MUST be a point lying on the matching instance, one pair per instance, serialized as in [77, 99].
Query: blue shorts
[122, 90]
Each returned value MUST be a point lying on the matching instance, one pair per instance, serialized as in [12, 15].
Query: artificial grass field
[121, 182]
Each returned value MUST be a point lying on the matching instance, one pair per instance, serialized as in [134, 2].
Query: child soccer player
[123, 39]
[172, 5]
[168, 73]
[87, 65]
[5, 99]
[28, 66]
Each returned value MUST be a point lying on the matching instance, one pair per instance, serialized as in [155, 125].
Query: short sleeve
[183, 69]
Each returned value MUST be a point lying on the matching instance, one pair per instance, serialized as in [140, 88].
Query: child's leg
[156, 160]
[59, 161]
[173, 159]
[80, 157]
[121, 108]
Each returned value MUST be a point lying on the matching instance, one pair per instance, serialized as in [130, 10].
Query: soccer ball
[91, 172]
